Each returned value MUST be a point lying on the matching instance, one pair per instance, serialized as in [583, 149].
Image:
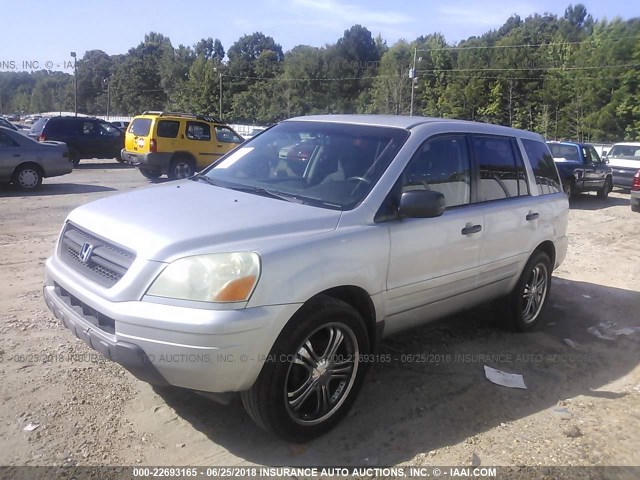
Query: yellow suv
[176, 144]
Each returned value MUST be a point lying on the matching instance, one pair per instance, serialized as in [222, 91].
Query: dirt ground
[581, 405]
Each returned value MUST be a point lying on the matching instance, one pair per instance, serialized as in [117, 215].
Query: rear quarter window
[39, 125]
[544, 169]
[140, 127]
[167, 128]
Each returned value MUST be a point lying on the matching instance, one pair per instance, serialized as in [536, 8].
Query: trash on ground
[30, 427]
[570, 343]
[597, 333]
[511, 380]
[586, 296]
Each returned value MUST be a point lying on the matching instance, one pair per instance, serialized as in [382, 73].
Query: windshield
[317, 163]
[630, 152]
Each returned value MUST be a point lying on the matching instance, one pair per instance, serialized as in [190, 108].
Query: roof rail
[206, 118]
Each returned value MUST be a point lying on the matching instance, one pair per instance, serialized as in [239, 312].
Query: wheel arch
[359, 299]
[37, 166]
[183, 153]
[549, 248]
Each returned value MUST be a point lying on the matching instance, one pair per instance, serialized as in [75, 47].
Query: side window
[89, 128]
[168, 128]
[441, 164]
[198, 131]
[224, 134]
[594, 155]
[586, 154]
[502, 173]
[544, 169]
[6, 140]
[107, 130]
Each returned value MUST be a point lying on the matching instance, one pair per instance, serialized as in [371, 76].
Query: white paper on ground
[511, 380]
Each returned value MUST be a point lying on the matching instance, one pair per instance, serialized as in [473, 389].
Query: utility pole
[75, 84]
[220, 99]
[412, 76]
[105, 81]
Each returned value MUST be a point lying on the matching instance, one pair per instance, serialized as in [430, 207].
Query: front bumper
[207, 350]
[158, 162]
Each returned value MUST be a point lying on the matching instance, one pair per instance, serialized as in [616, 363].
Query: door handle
[16, 154]
[532, 216]
[469, 229]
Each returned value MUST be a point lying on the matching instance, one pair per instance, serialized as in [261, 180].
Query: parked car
[581, 168]
[635, 193]
[86, 137]
[624, 159]
[122, 125]
[176, 144]
[25, 162]
[283, 291]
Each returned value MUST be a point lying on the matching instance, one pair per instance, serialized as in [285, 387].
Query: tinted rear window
[543, 167]
[502, 173]
[168, 128]
[140, 127]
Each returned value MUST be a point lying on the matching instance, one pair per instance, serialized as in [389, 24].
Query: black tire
[520, 318]
[119, 158]
[181, 167]
[606, 189]
[569, 189]
[27, 177]
[74, 156]
[635, 207]
[286, 397]
[150, 174]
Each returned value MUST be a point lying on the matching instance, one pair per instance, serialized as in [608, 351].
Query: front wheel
[529, 297]
[606, 189]
[313, 374]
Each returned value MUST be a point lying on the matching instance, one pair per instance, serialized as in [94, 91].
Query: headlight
[219, 277]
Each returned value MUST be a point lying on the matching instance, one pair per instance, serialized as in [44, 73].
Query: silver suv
[282, 280]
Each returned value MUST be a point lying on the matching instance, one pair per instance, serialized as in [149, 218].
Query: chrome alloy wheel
[535, 292]
[321, 374]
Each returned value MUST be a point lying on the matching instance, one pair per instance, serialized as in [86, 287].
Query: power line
[519, 69]
[524, 45]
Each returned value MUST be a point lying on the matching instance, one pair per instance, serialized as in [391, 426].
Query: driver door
[433, 262]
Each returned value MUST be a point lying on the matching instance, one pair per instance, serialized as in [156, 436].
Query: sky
[36, 34]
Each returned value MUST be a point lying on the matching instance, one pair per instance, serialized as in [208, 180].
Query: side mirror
[421, 204]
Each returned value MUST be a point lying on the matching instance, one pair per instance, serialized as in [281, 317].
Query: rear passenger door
[510, 212]
[433, 262]
[201, 142]
[167, 135]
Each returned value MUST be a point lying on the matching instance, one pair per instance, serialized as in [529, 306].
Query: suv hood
[183, 218]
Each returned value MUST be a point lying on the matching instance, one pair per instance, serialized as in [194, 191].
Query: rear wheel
[606, 189]
[181, 167]
[27, 177]
[529, 297]
[150, 174]
[313, 374]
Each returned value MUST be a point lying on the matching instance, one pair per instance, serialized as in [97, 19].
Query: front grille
[90, 314]
[107, 262]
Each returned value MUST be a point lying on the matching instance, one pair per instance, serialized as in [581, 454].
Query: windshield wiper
[268, 193]
[204, 178]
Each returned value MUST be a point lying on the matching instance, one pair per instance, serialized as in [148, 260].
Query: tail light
[636, 181]
[42, 138]
[153, 146]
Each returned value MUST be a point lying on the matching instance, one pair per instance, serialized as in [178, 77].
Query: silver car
[25, 162]
[278, 281]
